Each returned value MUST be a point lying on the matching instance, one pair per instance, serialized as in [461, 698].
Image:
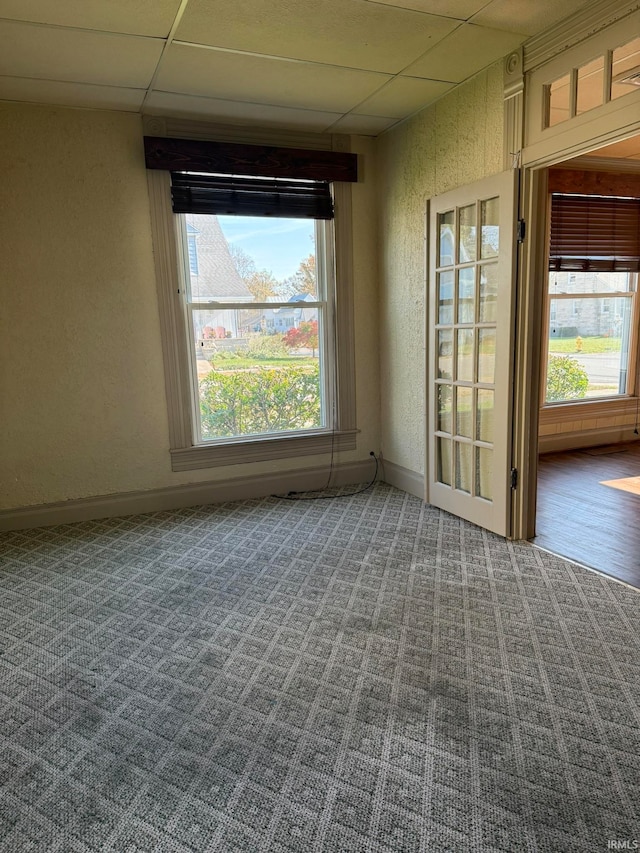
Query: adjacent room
[282, 480]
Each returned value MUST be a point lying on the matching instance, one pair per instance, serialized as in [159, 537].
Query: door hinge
[514, 478]
[521, 230]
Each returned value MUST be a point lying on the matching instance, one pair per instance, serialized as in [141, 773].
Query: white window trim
[185, 454]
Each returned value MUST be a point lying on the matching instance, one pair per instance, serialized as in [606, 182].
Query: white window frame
[187, 454]
[324, 304]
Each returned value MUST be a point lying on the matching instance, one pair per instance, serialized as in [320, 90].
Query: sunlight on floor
[626, 484]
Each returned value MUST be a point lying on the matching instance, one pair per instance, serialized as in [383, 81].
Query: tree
[304, 278]
[566, 379]
[243, 262]
[305, 336]
[262, 285]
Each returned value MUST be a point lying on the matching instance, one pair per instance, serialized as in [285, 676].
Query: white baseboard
[176, 497]
[403, 478]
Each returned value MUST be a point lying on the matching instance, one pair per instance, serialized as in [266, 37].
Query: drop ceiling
[352, 66]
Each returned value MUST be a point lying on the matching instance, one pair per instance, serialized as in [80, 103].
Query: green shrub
[566, 379]
[266, 346]
[249, 402]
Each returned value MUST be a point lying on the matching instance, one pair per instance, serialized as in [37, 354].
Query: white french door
[472, 253]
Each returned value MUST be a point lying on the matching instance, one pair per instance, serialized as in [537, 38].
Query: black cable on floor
[309, 496]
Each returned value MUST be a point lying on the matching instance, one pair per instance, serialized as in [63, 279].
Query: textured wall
[82, 396]
[457, 141]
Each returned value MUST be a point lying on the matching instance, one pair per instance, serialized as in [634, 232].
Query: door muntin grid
[465, 340]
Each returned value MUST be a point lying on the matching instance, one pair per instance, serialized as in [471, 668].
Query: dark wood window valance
[238, 196]
[594, 233]
[230, 158]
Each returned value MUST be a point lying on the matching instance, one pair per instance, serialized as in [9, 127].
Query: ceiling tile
[142, 17]
[80, 56]
[70, 94]
[465, 52]
[352, 33]
[364, 125]
[523, 16]
[191, 106]
[231, 76]
[403, 96]
[459, 9]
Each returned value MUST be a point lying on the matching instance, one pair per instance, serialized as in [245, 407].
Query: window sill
[260, 450]
[611, 406]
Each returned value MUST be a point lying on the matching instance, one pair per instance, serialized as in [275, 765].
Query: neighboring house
[280, 320]
[214, 277]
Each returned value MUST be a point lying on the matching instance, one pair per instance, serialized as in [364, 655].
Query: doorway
[588, 478]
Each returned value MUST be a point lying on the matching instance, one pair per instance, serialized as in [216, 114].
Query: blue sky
[277, 245]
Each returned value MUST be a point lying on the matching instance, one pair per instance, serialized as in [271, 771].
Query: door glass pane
[467, 246]
[466, 295]
[464, 372]
[443, 460]
[486, 356]
[464, 403]
[445, 353]
[484, 415]
[446, 245]
[463, 466]
[445, 297]
[625, 58]
[488, 293]
[484, 472]
[490, 228]
[590, 85]
[445, 401]
[560, 100]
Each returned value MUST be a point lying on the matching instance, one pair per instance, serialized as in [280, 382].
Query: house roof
[217, 277]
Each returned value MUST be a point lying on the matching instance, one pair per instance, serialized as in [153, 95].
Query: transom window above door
[601, 79]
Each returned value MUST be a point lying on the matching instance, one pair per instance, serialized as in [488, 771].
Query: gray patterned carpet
[364, 674]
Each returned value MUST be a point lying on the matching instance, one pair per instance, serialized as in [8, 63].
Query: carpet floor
[360, 674]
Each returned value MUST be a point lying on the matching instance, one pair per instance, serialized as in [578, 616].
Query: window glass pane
[484, 415]
[625, 58]
[443, 460]
[445, 353]
[257, 369]
[464, 371]
[463, 466]
[445, 297]
[484, 472]
[446, 246]
[590, 85]
[445, 399]
[559, 100]
[490, 235]
[467, 247]
[466, 295]
[486, 356]
[590, 282]
[464, 419]
[589, 348]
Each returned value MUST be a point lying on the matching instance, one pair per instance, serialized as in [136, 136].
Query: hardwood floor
[589, 508]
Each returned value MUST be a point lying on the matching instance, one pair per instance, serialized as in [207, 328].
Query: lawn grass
[589, 345]
[229, 361]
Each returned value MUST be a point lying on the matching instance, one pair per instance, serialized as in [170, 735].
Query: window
[259, 325]
[600, 80]
[592, 286]
[254, 282]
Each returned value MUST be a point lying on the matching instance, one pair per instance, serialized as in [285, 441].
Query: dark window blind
[246, 196]
[594, 233]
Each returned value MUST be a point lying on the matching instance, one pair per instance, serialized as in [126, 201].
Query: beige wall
[455, 142]
[82, 398]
